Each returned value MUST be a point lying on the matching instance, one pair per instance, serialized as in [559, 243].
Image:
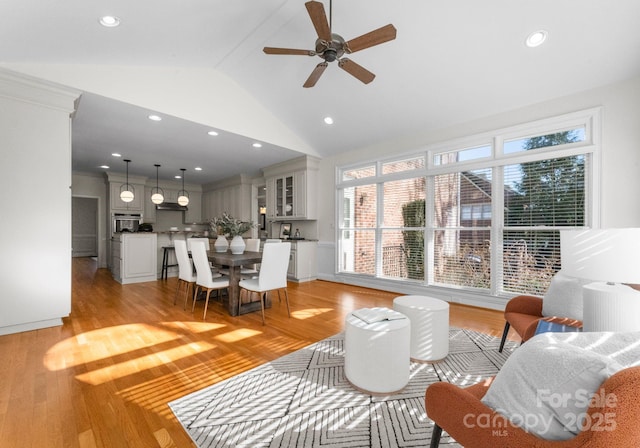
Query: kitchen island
[134, 257]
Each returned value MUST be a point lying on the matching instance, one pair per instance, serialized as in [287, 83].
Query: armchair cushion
[564, 297]
[545, 386]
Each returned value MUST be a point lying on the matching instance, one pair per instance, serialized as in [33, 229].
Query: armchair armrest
[524, 304]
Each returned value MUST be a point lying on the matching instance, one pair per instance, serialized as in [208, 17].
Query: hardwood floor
[104, 378]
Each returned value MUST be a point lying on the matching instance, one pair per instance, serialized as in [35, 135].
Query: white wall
[35, 229]
[619, 182]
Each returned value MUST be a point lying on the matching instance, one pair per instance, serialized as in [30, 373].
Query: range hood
[172, 206]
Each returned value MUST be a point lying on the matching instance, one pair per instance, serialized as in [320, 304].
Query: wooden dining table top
[229, 259]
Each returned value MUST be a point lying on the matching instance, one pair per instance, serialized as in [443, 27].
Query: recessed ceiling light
[115, 154]
[257, 145]
[155, 118]
[177, 176]
[109, 21]
[536, 38]
[328, 120]
[198, 168]
[212, 133]
[104, 167]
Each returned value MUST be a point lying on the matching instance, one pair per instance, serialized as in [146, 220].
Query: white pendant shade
[183, 200]
[183, 196]
[157, 198]
[126, 195]
[126, 190]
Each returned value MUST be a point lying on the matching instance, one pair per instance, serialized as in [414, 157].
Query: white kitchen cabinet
[117, 204]
[134, 257]
[194, 209]
[292, 189]
[291, 196]
[303, 261]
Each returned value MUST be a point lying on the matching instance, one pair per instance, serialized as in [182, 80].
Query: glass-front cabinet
[284, 196]
[291, 193]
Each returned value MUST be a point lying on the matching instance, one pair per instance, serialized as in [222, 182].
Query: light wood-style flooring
[104, 378]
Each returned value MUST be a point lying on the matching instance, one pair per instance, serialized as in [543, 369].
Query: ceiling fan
[330, 46]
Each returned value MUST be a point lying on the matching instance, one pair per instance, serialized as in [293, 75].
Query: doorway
[84, 227]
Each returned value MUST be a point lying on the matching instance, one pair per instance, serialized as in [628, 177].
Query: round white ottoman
[429, 326]
[376, 356]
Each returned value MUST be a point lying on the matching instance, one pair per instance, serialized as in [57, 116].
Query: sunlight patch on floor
[122, 369]
[106, 342]
[309, 313]
[237, 335]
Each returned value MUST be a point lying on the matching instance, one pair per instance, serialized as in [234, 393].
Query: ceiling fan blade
[272, 50]
[315, 74]
[356, 70]
[375, 37]
[319, 19]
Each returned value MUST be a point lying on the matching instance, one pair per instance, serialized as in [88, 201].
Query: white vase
[237, 245]
[221, 244]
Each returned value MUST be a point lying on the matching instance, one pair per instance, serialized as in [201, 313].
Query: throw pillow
[546, 388]
[564, 297]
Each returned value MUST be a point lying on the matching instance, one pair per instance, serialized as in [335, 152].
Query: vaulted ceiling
[199, 65]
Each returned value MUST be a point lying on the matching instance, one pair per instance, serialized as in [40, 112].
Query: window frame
[588, 119]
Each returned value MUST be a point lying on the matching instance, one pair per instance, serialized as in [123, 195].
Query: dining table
[234, 263]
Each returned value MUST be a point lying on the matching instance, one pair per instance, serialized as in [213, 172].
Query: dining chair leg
[195, 294]
[263, 297]
[175, 296]
[286, 298]
[206, 304]
[188, 289]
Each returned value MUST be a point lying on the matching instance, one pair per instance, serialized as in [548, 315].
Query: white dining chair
[205, 278]
[204, 240]
[272, 276]
[252, 245]
[207, 245]
[186, 276]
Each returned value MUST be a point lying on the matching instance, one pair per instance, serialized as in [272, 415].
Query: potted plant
[228, 226]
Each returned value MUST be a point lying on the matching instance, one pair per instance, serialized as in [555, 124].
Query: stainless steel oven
[126, 222]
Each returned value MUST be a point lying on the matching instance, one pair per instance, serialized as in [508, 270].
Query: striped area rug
[304, 400]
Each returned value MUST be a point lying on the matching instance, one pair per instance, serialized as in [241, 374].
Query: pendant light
[157, 195]
[183, 196]
[126, 190]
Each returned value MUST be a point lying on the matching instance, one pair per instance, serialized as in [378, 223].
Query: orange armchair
[460, 412]
[523, 313]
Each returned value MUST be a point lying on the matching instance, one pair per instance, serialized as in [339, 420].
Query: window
[483, 217]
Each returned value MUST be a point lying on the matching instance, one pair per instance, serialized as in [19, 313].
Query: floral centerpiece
[226, 225]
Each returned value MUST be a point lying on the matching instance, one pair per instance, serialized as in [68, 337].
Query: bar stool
[165, 261]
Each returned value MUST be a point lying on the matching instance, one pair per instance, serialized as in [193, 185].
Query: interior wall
[620, 158]
[35, 229]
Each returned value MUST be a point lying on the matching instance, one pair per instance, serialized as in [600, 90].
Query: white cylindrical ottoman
[429, 326]
[376, 356]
